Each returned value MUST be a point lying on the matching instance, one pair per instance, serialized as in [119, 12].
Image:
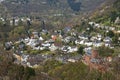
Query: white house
[53, 47]
[46, 44]
[72, 60]
[91, 23]
[72, 49]
[88, 43]
[107, 39]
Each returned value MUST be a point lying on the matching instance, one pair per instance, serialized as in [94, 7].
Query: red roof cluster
[94, 61]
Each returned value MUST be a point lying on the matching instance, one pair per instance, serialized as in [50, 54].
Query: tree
[28, 73]
[113, 16]
[80, 50]
[110, 34]
[115, 39]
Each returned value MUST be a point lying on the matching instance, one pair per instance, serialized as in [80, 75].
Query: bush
[105, 51]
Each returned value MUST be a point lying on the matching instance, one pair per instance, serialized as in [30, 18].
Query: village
[63, 45]
[59, 39]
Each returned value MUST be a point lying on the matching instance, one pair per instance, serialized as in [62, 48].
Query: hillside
[59, 40]
[107, 13]
[40, 7]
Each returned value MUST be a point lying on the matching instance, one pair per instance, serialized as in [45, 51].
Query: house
[107, 44]
[46, 44]
[51, 41]
[54, 37]
[40, 38]
[24, 57]
[21, 45]
[119, 55]
[73, 33]
[97, 43]
[83, 36]
[2, 19]
[64, 48]
[46, 56]
[35, 34]
[44, 31]
[53, 47]
[69, 49]
[44, 2]
[67, 39]
[97, 25]
[75, 58]
[67, 29]
[109, 59]
[16, 21]
[93, 38]
[23, 19]
[8, 45]
[61, 58]
[112, 28]
[18, 57]
[106, 27]
[82, 42]
[117, 21]
[88, 43]
[72, 49]
[77, 41]
[34, 60]
[26, 40]
[107, 39]
[99, 35]
[72, 60]
[91, 23]
[33, 42]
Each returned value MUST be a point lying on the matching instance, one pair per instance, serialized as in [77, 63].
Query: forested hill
[38, 7]
[108, 12]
